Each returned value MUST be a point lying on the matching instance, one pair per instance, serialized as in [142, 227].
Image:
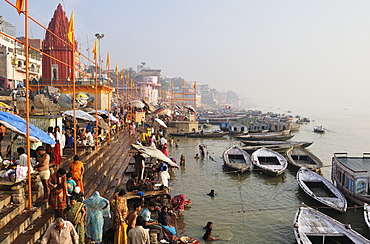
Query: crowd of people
[78, 218]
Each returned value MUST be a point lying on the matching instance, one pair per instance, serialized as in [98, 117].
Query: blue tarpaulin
[18, 125]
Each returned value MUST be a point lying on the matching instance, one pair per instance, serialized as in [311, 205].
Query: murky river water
[253, 207]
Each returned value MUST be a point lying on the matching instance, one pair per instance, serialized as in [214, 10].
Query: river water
[257, 208]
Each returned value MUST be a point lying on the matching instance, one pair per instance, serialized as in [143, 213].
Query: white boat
[237, 159]
[311, 226]
[270, 162]
[319, 129]
[321, 189]
[300, 157]
[367, 214]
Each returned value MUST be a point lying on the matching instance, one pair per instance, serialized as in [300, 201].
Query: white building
[12, 58]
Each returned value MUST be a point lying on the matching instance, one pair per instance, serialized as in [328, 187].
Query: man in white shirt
[164, 177]
[163, 140]
[60, 232]
[139, 235]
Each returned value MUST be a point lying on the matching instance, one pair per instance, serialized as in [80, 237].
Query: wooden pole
[109, 122]
[73, 76]
[27, 108]
[96, 103]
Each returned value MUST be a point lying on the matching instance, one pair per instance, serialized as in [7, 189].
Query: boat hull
[312, 226]
[299, 157]
[236, 159]
[320, 189]
[269, 162]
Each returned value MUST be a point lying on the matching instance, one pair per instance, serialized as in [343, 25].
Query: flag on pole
[20, 6]
[71, 28]
[122, 74]
[95, 50]
[195, 85]
[108, 61]
[116, 70]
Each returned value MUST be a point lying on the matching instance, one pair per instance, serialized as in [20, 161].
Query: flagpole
[117, 92]
[96, 100]
[109, 122]
[73, 76]
[27, 108]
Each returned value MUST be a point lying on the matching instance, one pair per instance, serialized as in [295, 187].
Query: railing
[61, 82]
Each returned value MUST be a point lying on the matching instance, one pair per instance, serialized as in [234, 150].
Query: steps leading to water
[103, 172]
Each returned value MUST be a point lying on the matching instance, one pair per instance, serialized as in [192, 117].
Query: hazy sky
[282, 53]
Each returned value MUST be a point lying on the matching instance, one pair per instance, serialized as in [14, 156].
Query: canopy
[18, 125]
[102, 124]
[138, 104]
[161, 111]
[80, 115]
[111, 117]
[154, 153]
[4, 105]
[189, 107]
[159, 121]
[150, 107]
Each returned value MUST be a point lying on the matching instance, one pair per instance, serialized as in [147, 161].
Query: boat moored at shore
[351, 175]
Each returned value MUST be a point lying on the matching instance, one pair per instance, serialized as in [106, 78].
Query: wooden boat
[207, 134]
[270, 162]
[367, 214]
[321, 189]
[280, 148]
[351, 175]
[319, 129]
[303, 144]
[272, 136]
[312, 226]
[299, 157]
[207, 126]
[237, 159]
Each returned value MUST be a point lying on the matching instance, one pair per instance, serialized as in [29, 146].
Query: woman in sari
[120, 211]
[76, 214]
[58, 192]
[178, 203]
[97, 208]
[76, 168]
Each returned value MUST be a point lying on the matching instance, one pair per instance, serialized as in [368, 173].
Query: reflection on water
[254, 207]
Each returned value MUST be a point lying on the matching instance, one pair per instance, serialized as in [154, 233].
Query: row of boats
[310, 225]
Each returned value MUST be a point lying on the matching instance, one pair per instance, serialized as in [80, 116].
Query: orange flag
[122, 74]
[195, 85]
[20, 6]
[71, 28]
[108, 61]
[95, 50]
[116, 70]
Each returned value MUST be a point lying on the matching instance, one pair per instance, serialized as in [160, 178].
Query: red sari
[57, 157]
[58, 195]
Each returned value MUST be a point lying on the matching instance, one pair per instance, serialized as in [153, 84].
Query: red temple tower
[54, 72]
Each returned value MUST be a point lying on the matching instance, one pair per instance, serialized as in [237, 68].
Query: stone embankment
[104, 172]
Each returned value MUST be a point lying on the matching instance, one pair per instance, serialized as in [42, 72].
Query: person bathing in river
[212, 193]
[178, 203]
[196, 156]
[208, 236]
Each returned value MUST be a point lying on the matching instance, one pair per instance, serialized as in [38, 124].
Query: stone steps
[114, 156]
[5, 199]
[104, 185]
[20, 222]
[118, 179]
[99, 170]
